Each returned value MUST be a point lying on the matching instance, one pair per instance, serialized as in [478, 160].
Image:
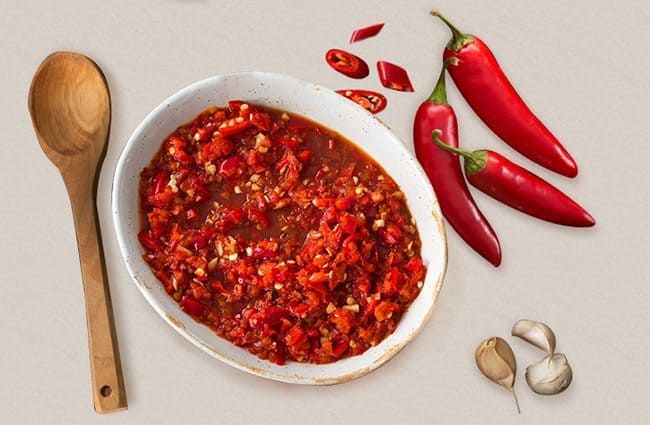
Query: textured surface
[581, 67]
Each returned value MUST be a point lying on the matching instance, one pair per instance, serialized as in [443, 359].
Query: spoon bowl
[70, 108]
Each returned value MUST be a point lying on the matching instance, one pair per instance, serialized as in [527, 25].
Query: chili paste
[279, 234]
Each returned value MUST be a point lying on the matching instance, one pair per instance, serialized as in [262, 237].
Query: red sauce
[279, 234]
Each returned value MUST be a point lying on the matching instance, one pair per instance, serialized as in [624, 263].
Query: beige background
[583, 67]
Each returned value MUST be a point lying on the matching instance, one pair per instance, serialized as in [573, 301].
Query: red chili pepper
[517, 187]
[486, 88]
[191, 306]
[347, 63]
[270, 316]
[367, 32]
[232, 127]
[446, 176]
[149, 241]
[230, 166]
[393, 76]
[371, 101]
[290, 144]
[160, 182]
[235, 105]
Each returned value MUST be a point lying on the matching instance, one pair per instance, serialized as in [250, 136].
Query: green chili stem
[459, 39]
[474, 161]
[439, 94]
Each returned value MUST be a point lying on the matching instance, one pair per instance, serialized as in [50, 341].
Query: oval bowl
[331, 110]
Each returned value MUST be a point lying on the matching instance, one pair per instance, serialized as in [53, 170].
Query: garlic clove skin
[496, 361]
[550, 376]
[535, 333]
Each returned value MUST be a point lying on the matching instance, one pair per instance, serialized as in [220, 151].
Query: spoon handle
[106, 370]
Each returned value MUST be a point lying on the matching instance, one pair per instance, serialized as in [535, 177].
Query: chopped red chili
[393, 76]
[281, 235]
[347, 64]
[369, 100]
[366, 32]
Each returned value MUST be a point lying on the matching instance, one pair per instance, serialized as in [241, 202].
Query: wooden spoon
[71, 112]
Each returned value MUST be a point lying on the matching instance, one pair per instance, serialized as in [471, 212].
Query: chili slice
[393, 76]
[347, 64]
[369, 100]
[518, 188]
[366, 32]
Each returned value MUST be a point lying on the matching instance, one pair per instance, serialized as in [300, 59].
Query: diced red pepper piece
[203, 133]
[392, 281]
[385, 310]
[345, 203]
[160, 182]
[236, 216]
[219, 287]
[203, 239]
[393, 76]
[217, 148]
[289, 143]
[296, 336]
[298, 125]
[258, 217]
[342, 319]
[263, 253]
[278, 357]
[340, 348]
[366, 32]
[299, 310]
[201, 193]
[304, 156]
[191, 306]
[231, 166]
[262, 121]
[414, 264]
[149, 241]
[191, 213]
[233, 127]
[269, 316]
[235, 105]
[317, 285]
[176, 150]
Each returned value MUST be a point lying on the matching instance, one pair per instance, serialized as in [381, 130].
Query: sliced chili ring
[369, 100]
[393, 76]
[347, 63]
[366, 32]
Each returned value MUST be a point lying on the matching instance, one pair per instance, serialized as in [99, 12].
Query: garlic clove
[550, 376]
[495, 359]
[536, 333]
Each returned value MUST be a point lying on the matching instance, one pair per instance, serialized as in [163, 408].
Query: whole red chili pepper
[486, 88]
[446, 176]
[517, 187]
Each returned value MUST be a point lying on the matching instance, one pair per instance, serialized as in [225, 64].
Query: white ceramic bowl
[325, 107]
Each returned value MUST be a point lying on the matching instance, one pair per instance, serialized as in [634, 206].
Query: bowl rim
[121, 231]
